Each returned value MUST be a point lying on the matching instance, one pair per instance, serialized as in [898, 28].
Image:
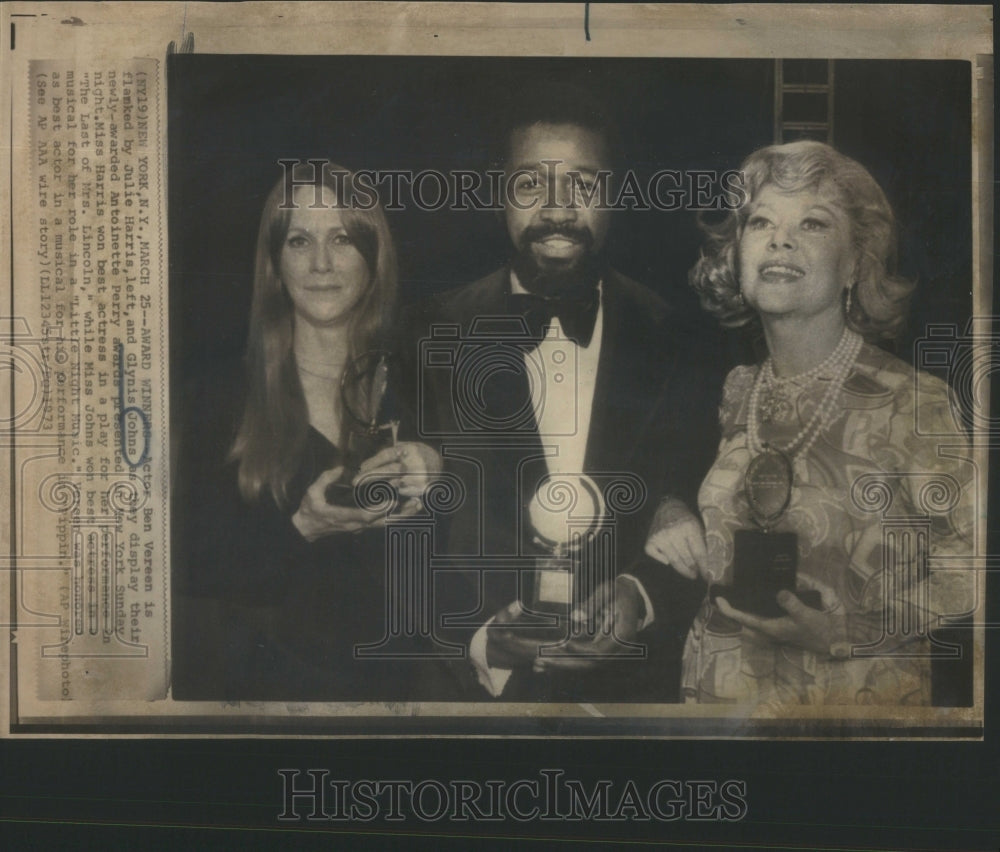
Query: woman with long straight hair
[293, 574]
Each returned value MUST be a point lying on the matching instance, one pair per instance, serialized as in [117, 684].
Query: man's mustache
[577, 233]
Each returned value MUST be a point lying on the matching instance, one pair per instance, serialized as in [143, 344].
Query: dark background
[231, 118]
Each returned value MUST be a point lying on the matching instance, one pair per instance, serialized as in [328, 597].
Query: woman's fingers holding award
[315, 498]
[307, 518]
[386, 460]
[816, 631]
[408, 466]
[681, 545]
[323, 480]
[692, 546]
[803, 627]
[781, 629]
[817, 594]
[421, 464]
[316, 518]
[676, 538]
[408, 509]
[420, 458]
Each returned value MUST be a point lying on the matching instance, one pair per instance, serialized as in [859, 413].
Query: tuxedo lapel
[634, 366]
[637, 359]
[504, 389]
[500, 389]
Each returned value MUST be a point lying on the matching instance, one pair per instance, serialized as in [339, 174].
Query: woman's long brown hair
[272, 434]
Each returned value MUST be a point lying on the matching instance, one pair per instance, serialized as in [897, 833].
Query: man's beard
[554, 277]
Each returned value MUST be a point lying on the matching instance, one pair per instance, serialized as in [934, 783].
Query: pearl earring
[847, 304]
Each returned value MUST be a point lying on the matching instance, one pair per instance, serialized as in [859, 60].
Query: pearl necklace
[838, 364]
[777, 399]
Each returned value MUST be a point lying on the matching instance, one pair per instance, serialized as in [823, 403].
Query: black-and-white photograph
[565, 381]
[437, 424]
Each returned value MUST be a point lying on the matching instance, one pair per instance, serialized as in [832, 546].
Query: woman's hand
[677, 538]
[805, 627]
[409, 467]
[317, 519]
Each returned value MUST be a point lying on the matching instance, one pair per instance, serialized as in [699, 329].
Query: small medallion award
[764, 561]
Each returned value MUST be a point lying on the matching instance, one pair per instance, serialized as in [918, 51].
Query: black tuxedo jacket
[654, 417]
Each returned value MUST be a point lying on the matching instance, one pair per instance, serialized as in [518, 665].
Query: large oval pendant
[768, 486]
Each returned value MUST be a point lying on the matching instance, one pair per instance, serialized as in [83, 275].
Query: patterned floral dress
[889, 482]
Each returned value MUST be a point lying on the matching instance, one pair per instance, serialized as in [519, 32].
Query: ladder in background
[803, 100]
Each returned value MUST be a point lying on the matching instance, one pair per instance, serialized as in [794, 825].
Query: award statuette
[764, 562]
[565, 512]
[367, 426]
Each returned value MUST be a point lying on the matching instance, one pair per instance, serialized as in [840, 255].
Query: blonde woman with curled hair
[805, 605]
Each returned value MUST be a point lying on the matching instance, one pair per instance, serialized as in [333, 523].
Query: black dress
[259, 612]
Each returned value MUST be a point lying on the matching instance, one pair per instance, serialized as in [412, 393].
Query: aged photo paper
[143, 141]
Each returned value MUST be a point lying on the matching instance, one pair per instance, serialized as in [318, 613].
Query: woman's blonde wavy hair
[880, 298]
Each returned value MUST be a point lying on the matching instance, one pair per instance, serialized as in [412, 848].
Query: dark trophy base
[810, 597]
[764, 563]
[547, 595]
[342, 493]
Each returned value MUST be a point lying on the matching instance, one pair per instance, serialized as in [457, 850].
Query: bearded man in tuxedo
[558, 368]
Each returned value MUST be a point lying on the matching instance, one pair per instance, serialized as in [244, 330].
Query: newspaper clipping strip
[90, 401]
[87, 432]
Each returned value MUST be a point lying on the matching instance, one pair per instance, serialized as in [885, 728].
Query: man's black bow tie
[576, 313]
